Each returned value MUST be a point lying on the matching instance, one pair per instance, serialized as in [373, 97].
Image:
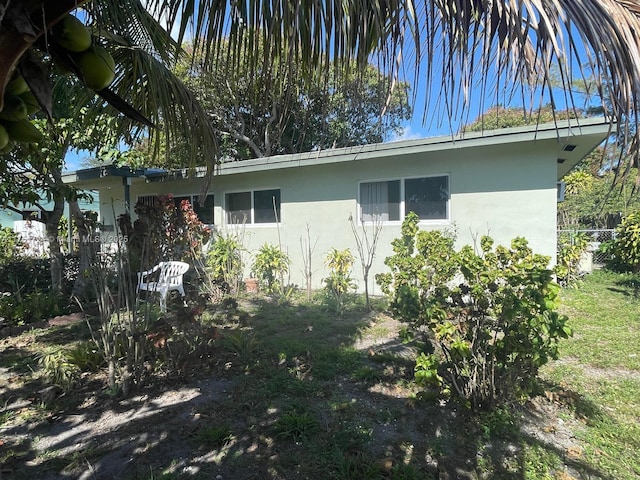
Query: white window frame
[251, 221]
[402, 200]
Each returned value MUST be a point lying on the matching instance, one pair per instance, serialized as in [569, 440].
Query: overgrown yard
[293, 391]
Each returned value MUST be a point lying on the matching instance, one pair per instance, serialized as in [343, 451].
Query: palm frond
[146, 53]
[495, 49]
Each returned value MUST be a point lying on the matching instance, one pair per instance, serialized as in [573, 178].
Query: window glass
[380, 200]
[266, 206]
[178, 200]
[30, 215]
[147, 200]
[204, 212]
[427, 197]
[238, 206]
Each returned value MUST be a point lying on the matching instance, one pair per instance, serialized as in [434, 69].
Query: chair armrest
[141, 275]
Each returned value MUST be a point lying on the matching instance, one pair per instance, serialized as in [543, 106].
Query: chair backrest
[171, 272]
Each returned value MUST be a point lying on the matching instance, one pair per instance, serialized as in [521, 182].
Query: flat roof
[575, 139]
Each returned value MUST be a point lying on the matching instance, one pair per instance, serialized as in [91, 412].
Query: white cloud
[407, 134]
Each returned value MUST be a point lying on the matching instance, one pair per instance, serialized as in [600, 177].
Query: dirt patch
[66, 319]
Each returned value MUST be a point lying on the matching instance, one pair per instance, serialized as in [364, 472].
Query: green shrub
[491, 316]
[17, 308]
[27, 274]
[339, 282]
[87, 356]
[224, 259]
[626, 247]
[10, 245]
[571, 248]
[270, 266]
[59, 369]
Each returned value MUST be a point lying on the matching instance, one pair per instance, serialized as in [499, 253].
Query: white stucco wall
[502, 190]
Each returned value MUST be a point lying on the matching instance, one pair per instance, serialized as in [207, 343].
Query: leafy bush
[571, 248]
[626, 247]
[10, 245]
[26, 274]
[339, 281]
[59, 369]
[491, 316]
[31, 307]
[224, 259]
[87, 356]
[270, 266]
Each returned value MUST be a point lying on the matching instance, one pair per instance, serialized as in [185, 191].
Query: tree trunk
[87, 252]
[55, 254]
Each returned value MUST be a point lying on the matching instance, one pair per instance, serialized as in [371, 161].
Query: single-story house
[503, 183]
[27, 221]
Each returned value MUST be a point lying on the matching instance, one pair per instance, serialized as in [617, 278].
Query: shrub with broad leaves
[626, 246]
[490, 315]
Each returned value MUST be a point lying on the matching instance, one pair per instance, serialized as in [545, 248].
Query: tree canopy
[501, 117]
[267, 112]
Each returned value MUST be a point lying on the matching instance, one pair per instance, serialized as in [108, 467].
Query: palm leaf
[496, 49]
[499, 50]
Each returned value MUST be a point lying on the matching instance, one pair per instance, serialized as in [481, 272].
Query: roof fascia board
[475, 139]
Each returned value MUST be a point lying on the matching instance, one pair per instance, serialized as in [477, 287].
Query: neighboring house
[502, 183]
[27, 221]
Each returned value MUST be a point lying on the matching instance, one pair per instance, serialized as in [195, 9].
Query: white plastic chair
[169, 279]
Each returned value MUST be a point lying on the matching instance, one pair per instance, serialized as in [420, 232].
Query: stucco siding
[502, 184]
[490, 193]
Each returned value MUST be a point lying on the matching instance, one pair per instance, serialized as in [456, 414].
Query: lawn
[600, 365]
[293, 391]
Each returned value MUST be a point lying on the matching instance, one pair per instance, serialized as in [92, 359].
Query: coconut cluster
[92, 63]
[19, 103]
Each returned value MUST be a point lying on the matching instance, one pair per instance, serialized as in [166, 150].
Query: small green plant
[490, 315]
[571, 248]
[10, 245]
[626, 249]
[296, 426]
[224, 259]
[18, 308]
[87, 356]
[243, 344]
[367, 374]
[339, 282]
[59, 369]
[271, 265]
[215, 436]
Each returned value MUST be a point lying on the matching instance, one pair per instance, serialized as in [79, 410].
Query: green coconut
[17, 85]
[71, 34]
[97, 67]
[30, 101]
[4, 137]
[14, 108]
[23, 131]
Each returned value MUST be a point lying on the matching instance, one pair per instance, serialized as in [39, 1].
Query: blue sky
[432, 123]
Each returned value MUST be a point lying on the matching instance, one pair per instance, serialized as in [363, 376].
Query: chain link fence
[595, 237]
